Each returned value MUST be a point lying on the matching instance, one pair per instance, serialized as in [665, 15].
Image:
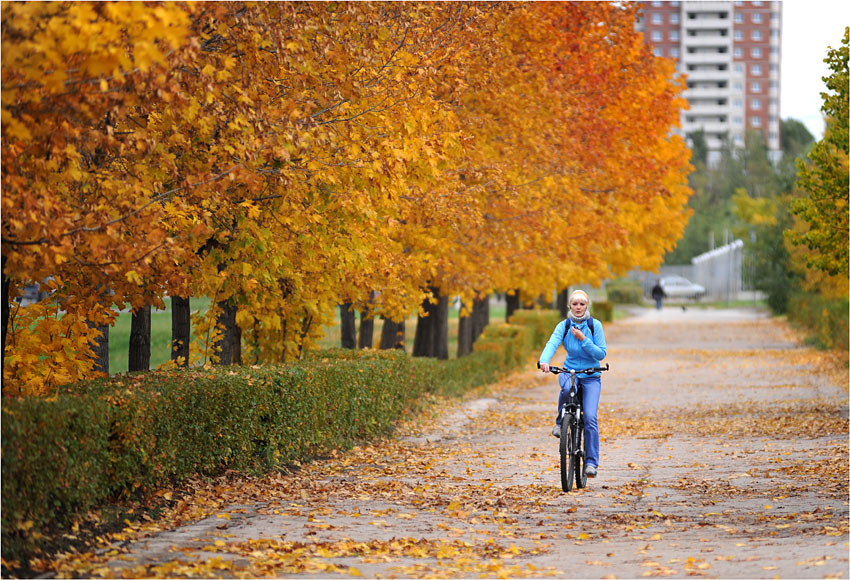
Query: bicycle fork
[573, 415]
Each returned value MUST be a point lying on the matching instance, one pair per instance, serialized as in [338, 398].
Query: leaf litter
[487, 503]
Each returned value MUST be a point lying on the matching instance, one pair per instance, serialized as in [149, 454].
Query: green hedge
[602, 311]
[625, 292]
[540, 322]
[825, 319]
[110, 439]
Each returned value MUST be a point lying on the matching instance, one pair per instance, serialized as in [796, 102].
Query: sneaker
[591, 470]
[556, 431]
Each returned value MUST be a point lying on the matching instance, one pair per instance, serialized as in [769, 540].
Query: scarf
[577, 319]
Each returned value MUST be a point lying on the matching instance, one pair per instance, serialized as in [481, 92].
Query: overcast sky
[808, 28]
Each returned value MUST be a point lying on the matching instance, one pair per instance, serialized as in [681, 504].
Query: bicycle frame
[570, 446]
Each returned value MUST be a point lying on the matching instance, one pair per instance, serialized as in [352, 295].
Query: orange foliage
[287, 157]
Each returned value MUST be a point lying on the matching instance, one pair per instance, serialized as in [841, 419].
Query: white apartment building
[730, 54]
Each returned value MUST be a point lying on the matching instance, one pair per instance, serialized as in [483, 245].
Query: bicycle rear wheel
[566, 448]
[580, 458]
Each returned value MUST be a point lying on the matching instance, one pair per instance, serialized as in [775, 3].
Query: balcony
[712, 41]
[708, 93]
[707, 58]
[708, 75]
[709, 110]
[707, 23]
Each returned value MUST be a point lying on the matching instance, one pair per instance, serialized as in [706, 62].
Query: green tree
[825, 179]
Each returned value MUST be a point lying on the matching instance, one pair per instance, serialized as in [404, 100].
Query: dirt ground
[724, 455]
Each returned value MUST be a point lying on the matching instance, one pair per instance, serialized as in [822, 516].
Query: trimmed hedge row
[110, 439]
[625, 292]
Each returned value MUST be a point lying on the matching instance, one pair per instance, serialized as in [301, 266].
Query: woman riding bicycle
[584, 340]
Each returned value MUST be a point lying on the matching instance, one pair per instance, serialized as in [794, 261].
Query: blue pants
[591, 389]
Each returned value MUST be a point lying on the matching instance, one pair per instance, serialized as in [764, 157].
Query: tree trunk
[180, 330]
[367, 330]
[423, 343]
[7, 312]
[392, 335]
[100, 347]
[230, 344]
[348, 326]
[465, 335]
[512, 305]
[432, 330]
[367, 324]
[139, 358]
[563, 298]
[480, 317]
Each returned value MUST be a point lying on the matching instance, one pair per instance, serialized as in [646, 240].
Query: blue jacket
[580, 355]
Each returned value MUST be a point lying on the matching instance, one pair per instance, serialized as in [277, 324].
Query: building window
[739, 52]
[738, 86]
[755, 52]
[739, 17]
[674, 4]
[674, 18]
[755, 70]
[774, 68]
[656, 36]
[756, 35]
[755, 87]
[658, 51]
[774, 50]
[755, 104]
[738, 103]
[738, 120]
[757, 3]
[739, 35]
[755, 121]
[674, 35]
[739, 68]
[774, 85]
[674, 52]
[756, 18]
[657, 19]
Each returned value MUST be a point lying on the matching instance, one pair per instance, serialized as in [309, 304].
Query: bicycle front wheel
[567, 451]
[579, 458]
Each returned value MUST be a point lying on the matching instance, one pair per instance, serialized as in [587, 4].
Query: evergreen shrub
[825, 319]
[122, 437]
[625, 292]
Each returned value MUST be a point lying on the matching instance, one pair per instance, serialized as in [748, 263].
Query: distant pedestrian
[658, 294]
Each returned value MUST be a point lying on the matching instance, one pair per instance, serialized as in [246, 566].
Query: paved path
[724, 454]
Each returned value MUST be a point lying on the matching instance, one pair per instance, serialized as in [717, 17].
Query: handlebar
[558, 370]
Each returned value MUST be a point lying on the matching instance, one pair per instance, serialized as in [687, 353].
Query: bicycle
[571, 444]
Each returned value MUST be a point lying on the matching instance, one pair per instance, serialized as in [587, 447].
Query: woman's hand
[544, 367]
[578, 334]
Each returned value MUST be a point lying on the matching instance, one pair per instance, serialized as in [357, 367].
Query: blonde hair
[582, 293]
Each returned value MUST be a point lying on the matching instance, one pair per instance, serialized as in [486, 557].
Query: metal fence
[726, 273]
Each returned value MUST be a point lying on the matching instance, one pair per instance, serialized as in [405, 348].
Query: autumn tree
[82, 210]
[284, 158]
[825, 209]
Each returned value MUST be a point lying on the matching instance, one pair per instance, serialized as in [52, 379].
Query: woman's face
[578, 306]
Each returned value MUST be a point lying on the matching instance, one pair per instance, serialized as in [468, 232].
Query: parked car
[678, 287]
